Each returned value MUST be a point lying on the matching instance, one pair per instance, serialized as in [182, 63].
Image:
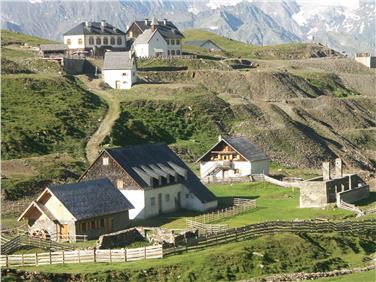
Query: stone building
[91, 208]
[153, 178]
[233, 157]
[332, 188]
[87, 36]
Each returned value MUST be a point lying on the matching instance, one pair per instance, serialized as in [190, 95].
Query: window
[79, 41]
[172, 52]
[112, 40]
[124, 74]
[98, 41]
[134, 73]
[83, 226]
[236, 171]
[186, 196]
[177, 41]
[172, 42]
[120, 184]
[69, 41]
[119, 41]
[105, 161]
[105, 41]
[101, 223]
[167, 197]
[91, 40]
[177, 52]
[93, 224]
[168, 52]
[168, 42]
[152, 201]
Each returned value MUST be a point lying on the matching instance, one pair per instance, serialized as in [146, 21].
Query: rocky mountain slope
[343, 28]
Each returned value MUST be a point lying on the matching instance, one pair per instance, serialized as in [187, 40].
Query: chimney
[339, 169]
[326, 171]
[114, 29]
[164, 21]
[86, 23]
[219, 138]
[146, 21]
[154, 23]
[103, 24]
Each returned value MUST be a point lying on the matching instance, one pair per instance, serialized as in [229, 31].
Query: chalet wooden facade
[153, 178]
[233, 157]
[66, 212]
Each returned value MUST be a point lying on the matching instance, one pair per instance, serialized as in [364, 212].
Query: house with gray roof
[70, 212]
[153, 178]
[53, 50]
[87, 36]
[119, 69]
[206, 44]
[233, 157]
[166, 29]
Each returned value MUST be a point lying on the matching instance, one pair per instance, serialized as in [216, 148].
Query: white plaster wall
[191, 202]
[364, 60]
[167, 206]
[126, 81]
[260, 167]
[141, 50]
[137, 199]
[74, 41]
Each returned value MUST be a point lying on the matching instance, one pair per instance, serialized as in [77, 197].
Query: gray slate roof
[118, 61]
[244, 147]
[168, 31]
[200, 43]
[90, 199]
[148, 163]
[53, 47]
[94, 29]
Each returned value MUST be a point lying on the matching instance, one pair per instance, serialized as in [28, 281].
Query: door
[117, 84]
[110, 223]
[177, 201]
[160, 203]
[64, 232]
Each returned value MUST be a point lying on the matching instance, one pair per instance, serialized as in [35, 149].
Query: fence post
[63, 257]
[186, 242]
[236, 234]
[95, 254]
[6, 261]
[110, 256]
[50, 256]
[125, 255]
[145, 252]
[22, 261]
[36, 259]
[79, 258]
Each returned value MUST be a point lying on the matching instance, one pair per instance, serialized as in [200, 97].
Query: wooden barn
[233, 157]
[153, 178]
[66, 212]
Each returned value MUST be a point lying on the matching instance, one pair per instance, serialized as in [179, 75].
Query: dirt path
[104, 129]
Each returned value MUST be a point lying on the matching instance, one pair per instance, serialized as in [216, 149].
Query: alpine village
[159, 153]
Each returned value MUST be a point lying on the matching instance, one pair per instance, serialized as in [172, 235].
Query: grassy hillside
[233, 48]
[236, 261]
[10, 37]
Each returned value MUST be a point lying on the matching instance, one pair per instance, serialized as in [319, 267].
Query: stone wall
[120, 239]
[354, 195]
[313, 195]
[74, 66]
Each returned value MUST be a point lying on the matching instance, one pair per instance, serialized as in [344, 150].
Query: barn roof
[168, 30]
[90, 199]
[94, 28]
[243, 146]
[53, 47]
[118, 61]
[200, 43]
[149, 163]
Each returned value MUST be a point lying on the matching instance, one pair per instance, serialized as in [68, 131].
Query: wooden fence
[201, 222]
[82, 256]
[273, 227]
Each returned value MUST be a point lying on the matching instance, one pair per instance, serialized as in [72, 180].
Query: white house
[119, 70]
[153, 178]
[233, 157]
[150, 44]
[167, 29]
[87, 35]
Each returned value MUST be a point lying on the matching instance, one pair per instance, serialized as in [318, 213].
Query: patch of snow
[214, 4]
[213, 27]
[35, 1]
[193, 10]
[299, 18]
[361, 28]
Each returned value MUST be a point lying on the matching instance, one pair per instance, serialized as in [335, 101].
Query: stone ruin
[332, 187]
